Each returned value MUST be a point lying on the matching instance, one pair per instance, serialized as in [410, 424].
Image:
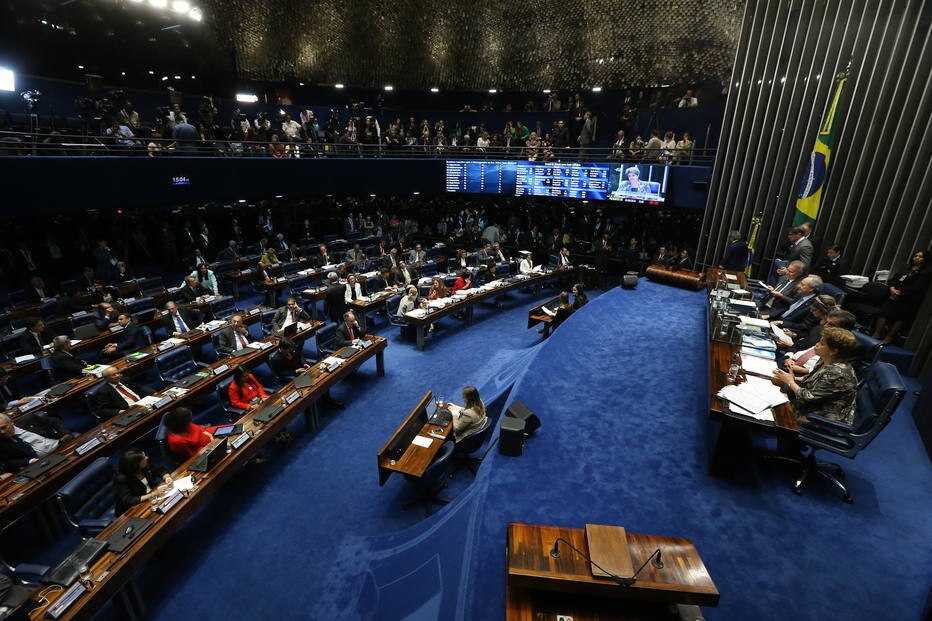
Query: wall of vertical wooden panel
[877, 202]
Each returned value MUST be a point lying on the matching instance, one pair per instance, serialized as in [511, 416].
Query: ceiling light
[242, 200]
[278, 196]
[181, 6]
[196, 14]
[434, 89]
[159, 4]
[164, 78]
[193, 77]
[601, 60]
[596, 89]
[44, 22]
[338, 85]
[546, 91]
[300, 83]
[493, 90]
[372, 195]
[389, 87]
[246, 98]
[783, 79]
[177, 77]
[7, 80]
[122, 73]
[416, 193]
[80, 66]
[151, 72]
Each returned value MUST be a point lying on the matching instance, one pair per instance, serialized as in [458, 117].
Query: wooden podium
[543, 588]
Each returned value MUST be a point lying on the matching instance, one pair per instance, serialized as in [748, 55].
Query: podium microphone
[655, 559]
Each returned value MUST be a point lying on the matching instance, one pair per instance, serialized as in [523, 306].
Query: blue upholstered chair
[151, 285]
[90, 399]
[830, 289]
[27, 574]
[223, 307]
[87, 500]
[867, 353]
[176, 364]
[880, 393]
[265, 321]
[141, 309]
[232, 412]
[83, 320]
[326, 339]
[465, 450]
[428, 486]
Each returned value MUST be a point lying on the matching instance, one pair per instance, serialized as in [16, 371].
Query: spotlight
[546, 91]
[7, 80]
[337, 85]
[196, 14]
[177, 77]
[181, 6]
[596, 89]
[389, 87]
[193, 77]
[122, 73]
[300, 83]
[159, 4]
[493, 91]
[164, 78]
[434, 89]
[242, 200]
[151, 73]
[246, 98]
[80, 66]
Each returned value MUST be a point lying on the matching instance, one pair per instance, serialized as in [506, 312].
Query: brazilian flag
[752, 242]
[810, 191]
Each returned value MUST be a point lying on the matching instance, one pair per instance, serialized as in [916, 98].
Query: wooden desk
[415, 459]
[17, 499]
[536, 315]
[122, 566]
[533, 576]
[687, 279]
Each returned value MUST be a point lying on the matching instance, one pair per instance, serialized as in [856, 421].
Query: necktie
[241, 340]
[38, 339]
[127, 393]
[805, 356]
[350, 330]
[291, 314]
[179, 323]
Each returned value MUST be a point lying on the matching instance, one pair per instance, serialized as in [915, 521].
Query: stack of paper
[417, 313]
[758, 343]
[758, 366]
[760, 353]
[149, 401]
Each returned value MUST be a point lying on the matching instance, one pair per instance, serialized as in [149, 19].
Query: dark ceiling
[411, 44]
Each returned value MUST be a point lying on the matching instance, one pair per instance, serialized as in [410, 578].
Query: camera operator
[370, 136]
[122, 136]
[263, 128]
[177, 116]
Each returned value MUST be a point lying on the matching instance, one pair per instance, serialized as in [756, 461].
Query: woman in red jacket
[245, 391]
[186, 438]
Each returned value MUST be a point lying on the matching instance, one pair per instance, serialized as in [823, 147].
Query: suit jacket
[14, 455]
[775, 305]
[190, 294]
[281, 315]
[228, 254]
[386, 261]
[188, 316]
[400, 276]
[102, 322]
[799, 316]
[343, 338]
[684, 264]
[28, 344]
[226, 341]
[802, 250]
[132, 339]
[284, 367]
[736, 254]
[110, 402]
[335, 303]
[378, 283]
[834, 268]
[417, 257]
[65, 366]
[127, 490]
[321, 260]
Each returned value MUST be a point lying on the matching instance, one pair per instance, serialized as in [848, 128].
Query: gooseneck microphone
[654, 559]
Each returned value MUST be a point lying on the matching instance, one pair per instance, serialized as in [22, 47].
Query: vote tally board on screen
[616, 181]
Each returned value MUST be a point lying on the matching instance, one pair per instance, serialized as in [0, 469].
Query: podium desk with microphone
[402, 453]
[551, 574]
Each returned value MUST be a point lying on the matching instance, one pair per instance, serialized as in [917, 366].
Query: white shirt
[525, 266]
[291, 128]
[40, 444]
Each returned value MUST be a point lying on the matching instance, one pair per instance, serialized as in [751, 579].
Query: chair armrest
[831, 423]
[94, 526]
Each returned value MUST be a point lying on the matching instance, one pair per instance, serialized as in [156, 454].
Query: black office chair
[87, 501]
[466, 448]
[878, 396]
[428, 486]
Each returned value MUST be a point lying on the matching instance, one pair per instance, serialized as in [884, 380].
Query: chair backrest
[69, 286]
[429, 269]
[391, 306]
[879, 395]
[223, 396]
[223, 307]
[553, 261]
[82, 320]
[290, 267]
[830, 289]
[434, 252]
[438, 469]
[141, 308]
[89, 494]
[153, 284]
[161, 438]
[326, 339]
[90, 398]
[472, 442]
[18, 298]
[48, 309]
[176, 364]
[867, 352]
[147, 332]
[502, 269]
[297, 284]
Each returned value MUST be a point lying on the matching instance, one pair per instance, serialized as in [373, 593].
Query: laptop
[303, 381]
[190, 380]
[129, 417]
[210, 457]
[87, 331]
[228, 430]
[59, 389]
[121, 539]
[436, 416]
[36, 469]
[268, 413]
[191, 333]
[290, 330]
[243, 352]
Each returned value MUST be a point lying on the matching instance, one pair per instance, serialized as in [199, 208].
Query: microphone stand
[621, 581]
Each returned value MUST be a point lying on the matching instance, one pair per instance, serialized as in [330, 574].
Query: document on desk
[780, 334]
[744, 397]
[760, 353]
[758, 366]
[182, 484]
[421, 441]
[758, 342]
[731, 277]
[754, 321]
[764, 389]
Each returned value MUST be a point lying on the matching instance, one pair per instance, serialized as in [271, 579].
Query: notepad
[421, 441]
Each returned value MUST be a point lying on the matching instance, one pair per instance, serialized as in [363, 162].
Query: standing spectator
[561, 136]
[587, 132]
[668, 147]
[653, 146]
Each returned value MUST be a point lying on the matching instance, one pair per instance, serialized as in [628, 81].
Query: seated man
[38, 290]
[497, 255]
[799, 325]
[192, 290]
[35, 337]
[234, 337]
[348, 332]
[131, 339]
[117, 394]
[323, 258]
[64, 365]
[564, 258]
[288, 361]
[485, 254]
[833, 265]
[381, 282]
[288, 314]
[684, 262]
[179, 320]
[403, 275]
[106, 316]
[781, 296]
[417, 257]
[798, 311]
[33, 437]
[10, 394]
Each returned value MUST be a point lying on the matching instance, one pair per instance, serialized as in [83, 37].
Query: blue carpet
[621, 390]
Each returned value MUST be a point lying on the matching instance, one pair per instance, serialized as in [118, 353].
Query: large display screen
[617, 181]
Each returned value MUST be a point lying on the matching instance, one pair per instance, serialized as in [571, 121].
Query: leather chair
[428, 269]
[170, 460]
[141, 309]
[867, 353]
[176, 364]
[27, 574]
[90, 399]
[265, 321]
[223, 307]
[83, 320]
[87, 500]
[465, 449]
[148, 286]
[326, 339]
[232, 412]
[428, 486]
[879, 394]
[147, 331]
[830, 289]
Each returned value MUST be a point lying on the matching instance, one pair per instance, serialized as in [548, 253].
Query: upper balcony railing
[14, 144]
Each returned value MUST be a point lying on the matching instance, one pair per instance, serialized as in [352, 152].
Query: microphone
[655, 559]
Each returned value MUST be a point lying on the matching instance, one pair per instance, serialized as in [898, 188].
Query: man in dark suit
[117, 394]
[35, 337]
[288, 361]
[178, 320]
[483, 275]
[234, 337]
[10, 394]
[381, 282]
[801, 248]
[64, 365]
[192, 290]
[334, 298]
[230, 253]
[834, 265]
[131, 339]
[780, 297]
[684, 262]
[288, 314]
[404, 276]
[37, 290]
[348, 330]
[32, 437]
[798, 310]
[322, 257]
[106, 316]
[736, 253]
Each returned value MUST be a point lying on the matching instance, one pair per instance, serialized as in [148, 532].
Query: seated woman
[438, 290]
[563, 310]
[907, 290]
[245, 391]
[831, 387]
[468, 418]
[137, 481]
[579, 296]
[269, 257]
[460, 262]
[206, 278]
[463, 281]
[185, 438]
[409, 302]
